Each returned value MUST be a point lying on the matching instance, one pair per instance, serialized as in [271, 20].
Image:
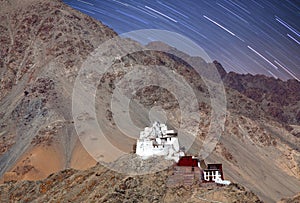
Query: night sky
[250, 36]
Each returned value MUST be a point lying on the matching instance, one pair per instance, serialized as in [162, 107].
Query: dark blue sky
[249, 36]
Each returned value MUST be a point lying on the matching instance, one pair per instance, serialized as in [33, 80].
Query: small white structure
[158, 141]
[214, 176]
[222, 182]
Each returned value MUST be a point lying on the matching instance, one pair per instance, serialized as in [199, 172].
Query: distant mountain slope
[279, 99]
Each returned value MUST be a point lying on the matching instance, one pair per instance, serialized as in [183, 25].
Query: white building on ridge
[158, 141]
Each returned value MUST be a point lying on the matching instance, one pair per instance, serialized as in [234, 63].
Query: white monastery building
[158, 141]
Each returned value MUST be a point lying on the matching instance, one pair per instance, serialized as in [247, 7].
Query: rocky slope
[294, 199]
[277, 98]
[99, 184]
[256, 149]
[43, 44]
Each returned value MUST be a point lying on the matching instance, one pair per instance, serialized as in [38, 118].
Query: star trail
[253, 36]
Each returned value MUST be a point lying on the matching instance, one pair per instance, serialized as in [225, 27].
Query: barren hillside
[99, 184]
[42, 46]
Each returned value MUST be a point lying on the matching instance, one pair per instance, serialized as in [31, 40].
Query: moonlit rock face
[158, 141]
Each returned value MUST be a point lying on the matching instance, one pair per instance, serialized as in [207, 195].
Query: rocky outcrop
[279, 99]
[99, 184]
[294, 199]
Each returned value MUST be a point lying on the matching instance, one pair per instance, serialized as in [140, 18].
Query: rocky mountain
[42, 43]
[43, 46]
[98, 184]
[279, 99]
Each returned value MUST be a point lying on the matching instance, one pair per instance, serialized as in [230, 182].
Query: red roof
[187, 161]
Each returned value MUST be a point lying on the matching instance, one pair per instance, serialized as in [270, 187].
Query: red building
[188, 161]
[185, 172]
[188, 172]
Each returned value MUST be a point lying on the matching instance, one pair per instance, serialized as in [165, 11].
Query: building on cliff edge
[159, 141]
